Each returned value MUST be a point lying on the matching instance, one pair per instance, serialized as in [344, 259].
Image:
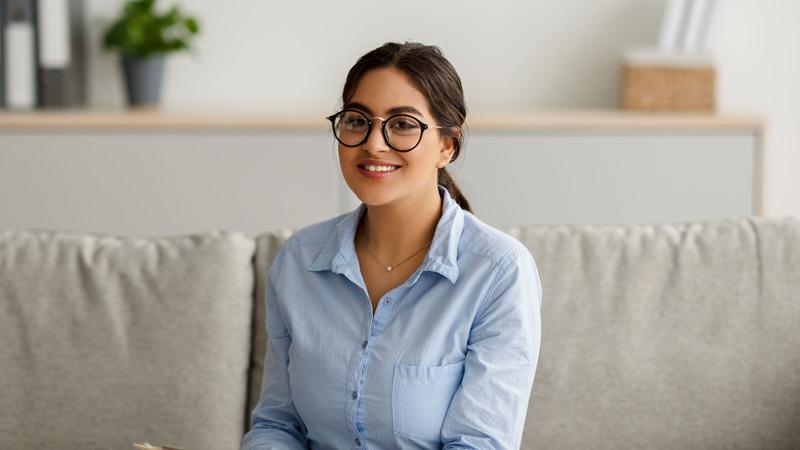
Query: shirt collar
[338, 252]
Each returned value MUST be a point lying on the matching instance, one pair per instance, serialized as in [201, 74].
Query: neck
[399, 229]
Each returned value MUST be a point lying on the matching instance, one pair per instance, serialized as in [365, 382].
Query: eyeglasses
[402, 132]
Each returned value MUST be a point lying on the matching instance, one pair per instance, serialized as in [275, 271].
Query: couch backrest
[667, 336]
[106, 341]
[660, 336]
[656, 336]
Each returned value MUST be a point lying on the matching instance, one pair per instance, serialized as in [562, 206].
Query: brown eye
[354, 121]
[403, 125]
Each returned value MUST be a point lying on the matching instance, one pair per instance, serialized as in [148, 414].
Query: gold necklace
[389, 267]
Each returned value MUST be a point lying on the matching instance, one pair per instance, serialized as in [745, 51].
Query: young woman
[407, 322]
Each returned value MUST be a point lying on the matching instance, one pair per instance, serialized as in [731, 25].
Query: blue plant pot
[143, 79]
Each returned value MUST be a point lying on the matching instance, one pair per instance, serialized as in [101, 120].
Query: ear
[447, 151]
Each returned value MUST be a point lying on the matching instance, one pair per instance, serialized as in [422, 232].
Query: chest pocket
[421, 396]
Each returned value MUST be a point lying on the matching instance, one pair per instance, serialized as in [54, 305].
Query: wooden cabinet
[161, 173]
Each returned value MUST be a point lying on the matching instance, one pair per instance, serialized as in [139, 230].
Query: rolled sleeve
[489, 408]
[275, 423]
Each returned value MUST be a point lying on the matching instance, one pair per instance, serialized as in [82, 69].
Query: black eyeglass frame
[423, 126]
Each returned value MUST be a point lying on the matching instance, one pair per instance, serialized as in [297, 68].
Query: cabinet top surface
[200, 120]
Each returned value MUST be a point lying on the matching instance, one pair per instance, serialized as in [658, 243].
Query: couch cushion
[107, 341]
[667, 336]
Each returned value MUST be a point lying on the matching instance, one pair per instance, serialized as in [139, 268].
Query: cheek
[346, 158]
[424, 162]
[431, 155]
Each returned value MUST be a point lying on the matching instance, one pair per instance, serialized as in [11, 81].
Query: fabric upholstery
[106, 341]
[667, 336]
[656, 336]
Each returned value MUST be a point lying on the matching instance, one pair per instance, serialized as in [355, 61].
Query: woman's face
[382, 92]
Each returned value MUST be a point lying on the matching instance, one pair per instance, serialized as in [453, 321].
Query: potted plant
[143, 37]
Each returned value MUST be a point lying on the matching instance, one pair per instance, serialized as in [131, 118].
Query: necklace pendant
[388, 268]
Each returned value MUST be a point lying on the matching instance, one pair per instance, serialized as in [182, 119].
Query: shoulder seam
[484, 255]
[506, 261]
[498, 234]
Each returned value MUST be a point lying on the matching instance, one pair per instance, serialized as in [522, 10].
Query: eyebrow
[390, 111]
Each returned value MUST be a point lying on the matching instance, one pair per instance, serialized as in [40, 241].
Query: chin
[373, 195]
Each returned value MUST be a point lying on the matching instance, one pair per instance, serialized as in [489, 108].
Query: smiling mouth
[393, 168]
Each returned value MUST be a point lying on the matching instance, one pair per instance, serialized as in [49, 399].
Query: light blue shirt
[447, 361]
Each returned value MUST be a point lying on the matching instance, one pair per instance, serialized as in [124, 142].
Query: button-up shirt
[446, 361]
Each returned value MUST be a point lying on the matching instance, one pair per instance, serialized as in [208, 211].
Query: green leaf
[192, 25]
[141, 31]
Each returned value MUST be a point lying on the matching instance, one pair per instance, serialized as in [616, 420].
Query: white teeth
[380, 168]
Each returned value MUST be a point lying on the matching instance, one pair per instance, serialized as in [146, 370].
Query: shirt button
[355, 395]
[364, 344]
[388, 301]
[358, 442]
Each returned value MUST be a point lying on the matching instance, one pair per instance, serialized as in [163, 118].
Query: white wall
[294, 55]
[512, 55]
[758, 50]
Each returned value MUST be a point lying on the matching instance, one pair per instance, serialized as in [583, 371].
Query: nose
[375, 141]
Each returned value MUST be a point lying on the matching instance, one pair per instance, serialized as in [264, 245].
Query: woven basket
[664, 88]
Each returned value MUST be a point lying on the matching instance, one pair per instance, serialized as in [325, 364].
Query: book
[54, 34]
[19, 68]
[697, 26]
[706, 22]
[61, 64]
[671, 25]
[2, 54]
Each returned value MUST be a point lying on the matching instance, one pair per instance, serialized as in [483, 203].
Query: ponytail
[447, 181]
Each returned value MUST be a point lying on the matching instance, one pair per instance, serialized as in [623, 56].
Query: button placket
[374, 331]
[387, 300]
[355, 394]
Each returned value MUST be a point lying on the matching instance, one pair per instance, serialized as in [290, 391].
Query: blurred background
[237, 137]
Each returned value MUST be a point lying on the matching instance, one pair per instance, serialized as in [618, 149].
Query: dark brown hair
[436, 78]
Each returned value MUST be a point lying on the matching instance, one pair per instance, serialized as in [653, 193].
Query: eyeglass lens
[403, 132]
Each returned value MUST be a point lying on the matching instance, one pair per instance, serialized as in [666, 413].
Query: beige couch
[666, 336]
